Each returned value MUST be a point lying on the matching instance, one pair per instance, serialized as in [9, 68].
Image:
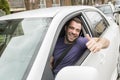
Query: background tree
[27, 4]
[4, 5]
[31, 4]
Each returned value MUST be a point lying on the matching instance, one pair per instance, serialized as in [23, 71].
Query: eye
[77, 30]
[70, 27]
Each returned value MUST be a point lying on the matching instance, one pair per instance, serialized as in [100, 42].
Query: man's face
[73, 31]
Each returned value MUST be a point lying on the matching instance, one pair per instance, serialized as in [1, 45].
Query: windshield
[18, 42]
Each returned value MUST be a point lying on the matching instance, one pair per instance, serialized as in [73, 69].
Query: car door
[60, 32]
[105, 61]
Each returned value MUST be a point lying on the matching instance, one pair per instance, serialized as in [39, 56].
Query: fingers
[97, 48]
[90, 42]
[92, 45]
[88, 37]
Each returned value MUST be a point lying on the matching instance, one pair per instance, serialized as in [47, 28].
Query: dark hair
[73, 19]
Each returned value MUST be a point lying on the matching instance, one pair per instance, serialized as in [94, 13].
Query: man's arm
[96, 44]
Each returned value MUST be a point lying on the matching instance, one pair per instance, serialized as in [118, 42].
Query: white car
[27, 41]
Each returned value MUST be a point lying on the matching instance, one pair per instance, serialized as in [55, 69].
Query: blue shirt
[72, 56]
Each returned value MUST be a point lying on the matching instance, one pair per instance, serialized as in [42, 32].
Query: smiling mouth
[71, 37]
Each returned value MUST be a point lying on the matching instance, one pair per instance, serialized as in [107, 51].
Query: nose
[74, 31]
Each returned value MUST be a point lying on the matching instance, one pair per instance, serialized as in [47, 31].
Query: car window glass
[7, 31]
[21, 38]
[106, 9]
[98, 23]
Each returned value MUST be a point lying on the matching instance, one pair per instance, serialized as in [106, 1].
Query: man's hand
[93, 44]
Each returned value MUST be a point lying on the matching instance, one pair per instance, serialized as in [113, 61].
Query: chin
[71, 41]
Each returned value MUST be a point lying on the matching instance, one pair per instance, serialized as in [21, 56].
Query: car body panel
[102, 59]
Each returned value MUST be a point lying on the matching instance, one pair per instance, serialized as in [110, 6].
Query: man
[79, 45]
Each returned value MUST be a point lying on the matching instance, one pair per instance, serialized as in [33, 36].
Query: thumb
[88, 37]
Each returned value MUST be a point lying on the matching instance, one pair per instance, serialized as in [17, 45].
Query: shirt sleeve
[82, 41]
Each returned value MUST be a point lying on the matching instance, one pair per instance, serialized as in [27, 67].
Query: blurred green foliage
[4, 5]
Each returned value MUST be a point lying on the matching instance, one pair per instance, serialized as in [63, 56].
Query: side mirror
[77, 73]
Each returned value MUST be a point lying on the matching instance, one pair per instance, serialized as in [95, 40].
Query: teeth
[72, 36]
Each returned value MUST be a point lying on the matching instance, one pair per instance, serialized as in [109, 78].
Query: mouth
[71, 37]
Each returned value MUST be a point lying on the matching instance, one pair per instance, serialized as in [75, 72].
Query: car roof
[44, 12]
